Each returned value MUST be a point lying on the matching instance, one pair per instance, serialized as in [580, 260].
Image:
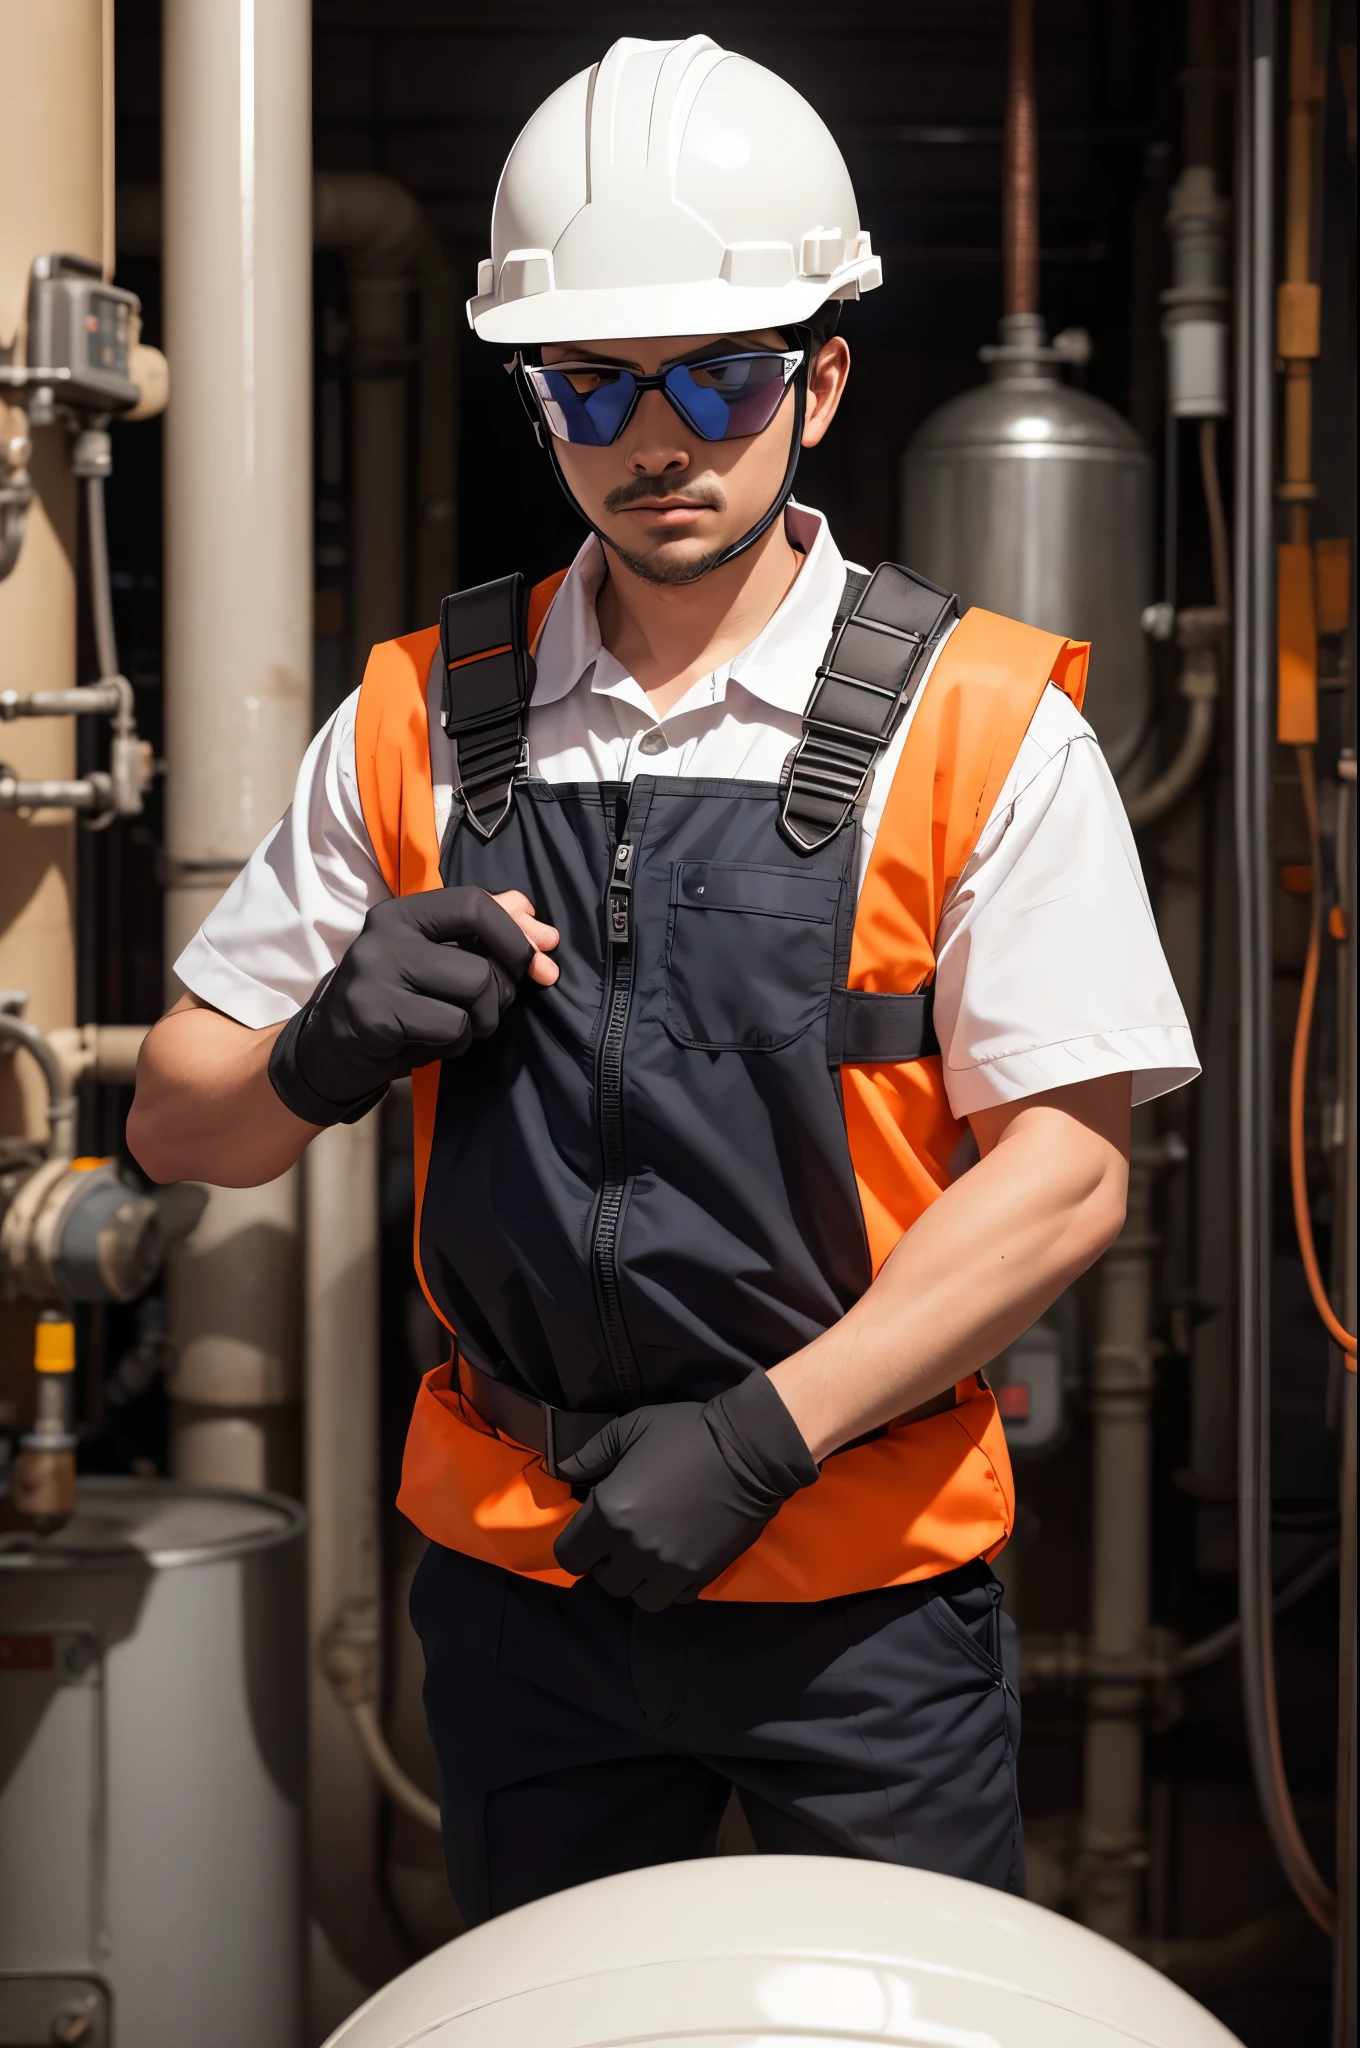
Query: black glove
[426, 975]
[679, 1490]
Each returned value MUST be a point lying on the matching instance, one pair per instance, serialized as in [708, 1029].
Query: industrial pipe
[345, 1565]
[16, 1035]
[351, 1659]
[99, 1052]
[1113, 1853]
[1069, 1660]
[387, 242]
[52, 174]
[238, 636]
[1298, 339]
[1199, 631]
[389, 246]
[1344, 2000]
[1020, 190]
[1253, 741]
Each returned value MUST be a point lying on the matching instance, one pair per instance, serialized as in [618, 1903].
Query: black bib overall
[640, 1189]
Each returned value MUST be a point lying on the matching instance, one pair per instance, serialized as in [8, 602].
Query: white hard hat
[672, 189]
[732, 1950]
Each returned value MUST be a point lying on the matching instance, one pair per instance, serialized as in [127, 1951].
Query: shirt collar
[778, 666]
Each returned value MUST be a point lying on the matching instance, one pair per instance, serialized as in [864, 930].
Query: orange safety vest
[930, 1494]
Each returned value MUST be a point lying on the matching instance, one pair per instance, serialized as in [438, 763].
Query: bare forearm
[969, 1277]
[204, 1107]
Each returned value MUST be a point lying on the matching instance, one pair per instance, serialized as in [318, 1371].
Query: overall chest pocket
[750, 954]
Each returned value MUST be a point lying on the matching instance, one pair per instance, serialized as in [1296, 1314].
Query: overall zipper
[609, 1113]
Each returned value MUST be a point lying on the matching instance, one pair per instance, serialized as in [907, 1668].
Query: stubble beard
[656, 569]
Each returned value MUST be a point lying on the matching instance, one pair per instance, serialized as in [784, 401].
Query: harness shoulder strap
[488, 680]
[880, 649]
[487, 639]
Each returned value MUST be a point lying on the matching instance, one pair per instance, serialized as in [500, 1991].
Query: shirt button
[653, 742]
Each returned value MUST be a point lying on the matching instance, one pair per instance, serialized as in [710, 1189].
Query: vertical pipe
[108, 253]
[51, 176]
[345, 1559]
[380, 311]
[1020, 194]
[1344, 2000]
[437, 440]
[237, 249]
[1296, 346]
[1113, 1840]
[1253, 740]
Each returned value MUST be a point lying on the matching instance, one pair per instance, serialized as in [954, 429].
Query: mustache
[704, 493]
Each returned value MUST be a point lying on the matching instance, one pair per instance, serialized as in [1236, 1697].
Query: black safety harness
[887, 627]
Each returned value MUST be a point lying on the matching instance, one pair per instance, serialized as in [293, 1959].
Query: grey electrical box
[80, 329]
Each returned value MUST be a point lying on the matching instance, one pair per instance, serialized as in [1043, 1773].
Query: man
[714, 895]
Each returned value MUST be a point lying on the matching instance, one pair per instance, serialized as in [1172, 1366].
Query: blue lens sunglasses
[721, 397]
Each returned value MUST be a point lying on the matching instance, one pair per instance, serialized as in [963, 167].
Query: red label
[26, 1653]
[1013, 1401]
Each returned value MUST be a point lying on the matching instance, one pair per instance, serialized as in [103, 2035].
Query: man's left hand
[680, 1490]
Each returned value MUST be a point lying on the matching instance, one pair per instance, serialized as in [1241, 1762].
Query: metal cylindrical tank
[733, 1950]
[1034, 499]
[152, 1771]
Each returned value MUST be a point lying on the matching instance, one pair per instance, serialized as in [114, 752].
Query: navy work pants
[578, 1736]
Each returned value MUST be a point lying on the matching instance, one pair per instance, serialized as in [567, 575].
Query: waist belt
[557, 1433]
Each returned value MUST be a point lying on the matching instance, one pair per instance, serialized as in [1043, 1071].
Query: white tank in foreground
[753, 1952]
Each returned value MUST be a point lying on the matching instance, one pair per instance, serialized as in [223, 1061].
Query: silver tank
[151, 1771]
[1036, 500]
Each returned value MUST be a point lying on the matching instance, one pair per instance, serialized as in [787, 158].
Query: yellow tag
[54, 1347]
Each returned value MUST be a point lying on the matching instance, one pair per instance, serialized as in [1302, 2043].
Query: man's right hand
[426, 976]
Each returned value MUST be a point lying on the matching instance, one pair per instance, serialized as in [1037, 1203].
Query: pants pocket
[971, 1617]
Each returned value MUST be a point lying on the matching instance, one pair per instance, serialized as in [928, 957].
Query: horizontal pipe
[106, 697]
[1069, 1660]
[99, 1052]
[91, 793]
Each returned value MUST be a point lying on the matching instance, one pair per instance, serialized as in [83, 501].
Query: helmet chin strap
[767, 518]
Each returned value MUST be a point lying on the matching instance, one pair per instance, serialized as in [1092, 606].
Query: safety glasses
[720, 397]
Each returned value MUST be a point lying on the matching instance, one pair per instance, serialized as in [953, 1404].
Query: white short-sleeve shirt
[1048, 965]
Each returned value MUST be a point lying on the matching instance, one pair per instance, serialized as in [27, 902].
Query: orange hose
[1298, 1073]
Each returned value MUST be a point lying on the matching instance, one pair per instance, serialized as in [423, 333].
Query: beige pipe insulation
[52, 169]
[238, 636]
[53, 153]
[1113, 1852]
[345, 1565]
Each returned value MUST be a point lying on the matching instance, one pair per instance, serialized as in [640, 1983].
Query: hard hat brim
[708, 306]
